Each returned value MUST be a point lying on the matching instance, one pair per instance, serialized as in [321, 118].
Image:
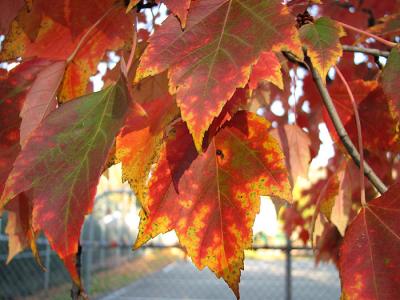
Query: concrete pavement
[261, 280]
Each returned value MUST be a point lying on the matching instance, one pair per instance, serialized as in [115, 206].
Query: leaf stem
[341, 131]
[294, 80]
[153, 19]
[133, 49]
[359, 135]
[374, 52]
[76, 290]
[382, 40]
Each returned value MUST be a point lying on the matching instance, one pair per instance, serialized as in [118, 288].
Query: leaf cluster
[189, 109]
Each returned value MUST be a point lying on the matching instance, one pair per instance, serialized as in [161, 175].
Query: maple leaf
[19, 228]
[293, 219]
[295, 143]
[372, 104]
[139, 144]
[369, 259]
[362, 71]
[380, 8]
[267, 68]
[387, 26]
[28, 93]
[56, 41]
[327, 244]
[390, 77]
[8, 11]
[237, 102]
[322, 42]
[217, 197]
[14, 90]
[214, 54]
[179, 8]
[360, 90]
[111, 34]
[67, 152]
[336, 197]
[75, 14]
[41, 97]
[179, 158]
[151, 88]
[378, 136]
[338, 12]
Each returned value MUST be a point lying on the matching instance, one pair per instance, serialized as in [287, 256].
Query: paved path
[262, 280]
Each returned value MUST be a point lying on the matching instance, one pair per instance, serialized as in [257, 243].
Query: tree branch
[76, 290]
[374, 52]
[341, 131]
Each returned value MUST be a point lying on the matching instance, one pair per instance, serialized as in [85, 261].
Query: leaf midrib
[89, 147]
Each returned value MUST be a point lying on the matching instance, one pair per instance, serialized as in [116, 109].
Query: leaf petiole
[379, 39]
[359, 135]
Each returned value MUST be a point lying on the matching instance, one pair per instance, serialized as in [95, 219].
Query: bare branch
[374, 52]
[77, 291]
[341, 131]
[370, 34]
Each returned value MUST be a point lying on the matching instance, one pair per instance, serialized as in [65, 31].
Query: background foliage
[191, 113]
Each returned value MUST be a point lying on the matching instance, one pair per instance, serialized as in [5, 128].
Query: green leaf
[62, 161]
[322, 42]
[390, 77]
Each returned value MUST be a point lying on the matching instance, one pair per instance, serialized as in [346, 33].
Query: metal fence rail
[261, 279]
[285, 272]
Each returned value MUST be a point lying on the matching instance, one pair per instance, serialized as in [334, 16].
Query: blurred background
[277, 268]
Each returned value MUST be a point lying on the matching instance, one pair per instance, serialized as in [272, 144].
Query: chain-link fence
[111, 270]
[266, 276]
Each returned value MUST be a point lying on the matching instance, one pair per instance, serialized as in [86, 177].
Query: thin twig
[153, 19]
[379, 39]
[294, 80]
[76, 290]
[133, 49]
[341, 131]
[84, 37]
[294, 59]
[374, 52]
[359, 135]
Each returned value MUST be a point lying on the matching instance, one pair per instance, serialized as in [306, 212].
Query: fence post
[288, 273]
[89, 255]
[47, 266]
[102, 245]
[118, 248]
